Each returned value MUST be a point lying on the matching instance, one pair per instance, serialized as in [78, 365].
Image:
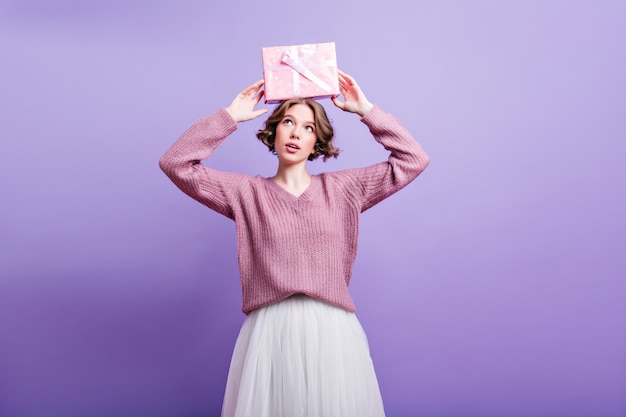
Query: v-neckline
[288, 196]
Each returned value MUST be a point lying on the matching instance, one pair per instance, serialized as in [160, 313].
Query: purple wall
[495, 285]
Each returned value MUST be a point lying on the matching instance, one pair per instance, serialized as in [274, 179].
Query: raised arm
[407, 159]
[182, 161]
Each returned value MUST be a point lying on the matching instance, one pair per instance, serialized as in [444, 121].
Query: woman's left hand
[354, 99]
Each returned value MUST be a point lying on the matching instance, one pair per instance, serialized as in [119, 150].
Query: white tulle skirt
[302, 358]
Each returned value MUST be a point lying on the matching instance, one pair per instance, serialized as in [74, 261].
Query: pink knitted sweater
[288, 244]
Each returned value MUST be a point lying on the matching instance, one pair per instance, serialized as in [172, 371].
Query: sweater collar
[285, 195]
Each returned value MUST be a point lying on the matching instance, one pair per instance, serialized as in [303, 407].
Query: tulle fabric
[302, 358]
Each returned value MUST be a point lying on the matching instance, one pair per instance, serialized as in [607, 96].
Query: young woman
[301, 351]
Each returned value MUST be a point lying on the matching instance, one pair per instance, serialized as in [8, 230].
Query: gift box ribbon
[300, 67]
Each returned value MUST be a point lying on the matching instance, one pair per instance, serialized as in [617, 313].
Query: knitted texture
[288, 244]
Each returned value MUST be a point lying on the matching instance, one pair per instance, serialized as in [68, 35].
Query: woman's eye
[309, 129]
[288, 122]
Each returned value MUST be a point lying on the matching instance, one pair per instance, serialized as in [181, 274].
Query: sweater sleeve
[182, 163]
[406, 161]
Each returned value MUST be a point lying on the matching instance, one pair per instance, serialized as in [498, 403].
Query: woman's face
[295, 135]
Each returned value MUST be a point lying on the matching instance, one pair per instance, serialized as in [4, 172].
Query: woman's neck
[294, 179]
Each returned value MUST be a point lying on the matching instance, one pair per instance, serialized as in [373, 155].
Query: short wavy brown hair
[325, 133]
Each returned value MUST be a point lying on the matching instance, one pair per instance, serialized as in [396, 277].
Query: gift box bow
[299, 62]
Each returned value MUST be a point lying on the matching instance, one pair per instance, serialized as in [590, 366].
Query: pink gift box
[308, 70]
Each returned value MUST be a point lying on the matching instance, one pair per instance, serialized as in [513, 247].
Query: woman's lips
[292, 147]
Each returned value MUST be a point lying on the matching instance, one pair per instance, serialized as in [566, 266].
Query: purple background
[494, 285]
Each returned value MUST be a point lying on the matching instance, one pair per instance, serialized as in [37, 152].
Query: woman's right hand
[242, 107]
[355, 100]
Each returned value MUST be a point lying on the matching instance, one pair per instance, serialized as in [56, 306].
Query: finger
[253, 88]
[336, 102]
[259, 97]
[348, 79]
[347, 84]
[257, 85]
[343, 81]
[259, 112]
